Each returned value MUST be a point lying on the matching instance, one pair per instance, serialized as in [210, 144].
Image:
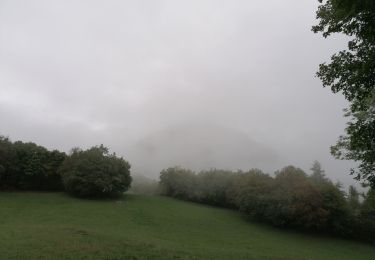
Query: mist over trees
[143, 185]
[205, 146]
[290, 199]
[215, 85]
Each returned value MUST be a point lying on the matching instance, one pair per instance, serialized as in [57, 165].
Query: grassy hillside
[53, 225]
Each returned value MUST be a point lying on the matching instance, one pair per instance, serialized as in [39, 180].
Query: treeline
[290, 199]
[84, 173]
[27, 166]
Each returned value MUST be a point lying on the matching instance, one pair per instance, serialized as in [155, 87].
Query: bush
[212, 187]
[296, 202]
[208, 187]
[178, 183]
[95, 173]
[250, 192]
[289, 199]
[27, 166]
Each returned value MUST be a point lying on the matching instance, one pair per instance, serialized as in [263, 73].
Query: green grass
[56, 226]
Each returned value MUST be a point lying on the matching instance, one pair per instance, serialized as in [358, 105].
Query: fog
[200, 84]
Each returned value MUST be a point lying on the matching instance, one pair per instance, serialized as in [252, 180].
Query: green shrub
[27, 166]
[212, 187]
[178, 183]
[95, 173]
[290, 199]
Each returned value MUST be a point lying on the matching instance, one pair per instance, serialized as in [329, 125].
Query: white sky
[212, 73]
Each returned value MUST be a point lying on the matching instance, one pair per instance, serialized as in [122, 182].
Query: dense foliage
[90, 173]
[352, 72]
[209, 187]
[27, 166]
[289, 199]
[95, 173]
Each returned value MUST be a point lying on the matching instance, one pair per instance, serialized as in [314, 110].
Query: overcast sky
[201, 84]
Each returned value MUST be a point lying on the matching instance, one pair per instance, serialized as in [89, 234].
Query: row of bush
[290, 199]
[27, 166]
[90, 173]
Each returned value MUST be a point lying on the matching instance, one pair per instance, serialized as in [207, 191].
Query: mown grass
[56, 226]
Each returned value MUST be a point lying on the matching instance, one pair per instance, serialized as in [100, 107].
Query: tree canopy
[95, 173]
[352, 73]
[291, 198]
[28, 166]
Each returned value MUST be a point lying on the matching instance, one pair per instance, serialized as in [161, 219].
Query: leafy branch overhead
[352, 73]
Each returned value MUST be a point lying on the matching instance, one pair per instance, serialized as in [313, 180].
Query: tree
[251, 193]
[366, 229]
[317, 175]
[7, 165]
[296, 202]
[178, 182]
[212, 187]
[28, 166]
[352, 72]
[95, 173]
[353, 200]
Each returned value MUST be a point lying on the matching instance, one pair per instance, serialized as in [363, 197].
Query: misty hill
[199, 146]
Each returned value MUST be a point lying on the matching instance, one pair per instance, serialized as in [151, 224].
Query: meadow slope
[56, 226]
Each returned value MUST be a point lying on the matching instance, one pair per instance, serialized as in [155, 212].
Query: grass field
[56, 226]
